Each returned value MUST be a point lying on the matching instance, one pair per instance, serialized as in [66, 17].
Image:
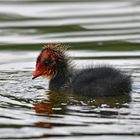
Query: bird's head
[48, 60]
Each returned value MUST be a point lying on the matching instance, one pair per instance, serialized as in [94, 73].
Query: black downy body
[100, 81]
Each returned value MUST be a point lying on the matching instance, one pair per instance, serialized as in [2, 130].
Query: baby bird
[95, 82]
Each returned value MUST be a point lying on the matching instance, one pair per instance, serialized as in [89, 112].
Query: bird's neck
[61, 77]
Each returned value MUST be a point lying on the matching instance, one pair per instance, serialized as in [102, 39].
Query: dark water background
[99, 32]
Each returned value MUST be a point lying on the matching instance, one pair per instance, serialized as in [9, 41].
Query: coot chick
[100, 81]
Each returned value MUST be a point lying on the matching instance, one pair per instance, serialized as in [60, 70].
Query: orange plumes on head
[56, 47]
[47, 60]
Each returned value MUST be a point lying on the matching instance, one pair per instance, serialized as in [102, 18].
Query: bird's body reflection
[58, 103]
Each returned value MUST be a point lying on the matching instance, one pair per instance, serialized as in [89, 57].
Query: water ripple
[118, 20]
[28, 110]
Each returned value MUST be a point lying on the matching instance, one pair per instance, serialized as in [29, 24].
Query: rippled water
[27, 109]
[31, 22]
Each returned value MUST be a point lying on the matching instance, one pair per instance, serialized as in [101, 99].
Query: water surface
[29, 110]
[103, 32]
[37, 22]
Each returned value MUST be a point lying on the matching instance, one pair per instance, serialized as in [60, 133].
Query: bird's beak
[36, 74]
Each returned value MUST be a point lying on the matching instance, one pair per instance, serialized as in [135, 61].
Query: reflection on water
[57, 103]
